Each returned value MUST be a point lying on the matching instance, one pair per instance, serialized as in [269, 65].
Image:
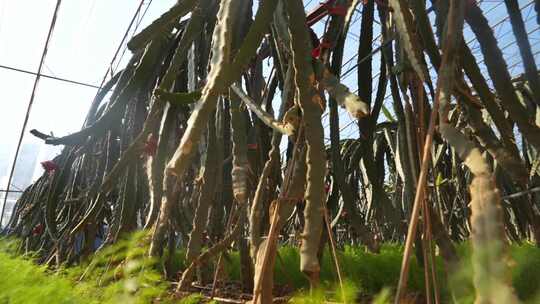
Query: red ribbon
[316, 52]
[338, 10]
[49, 166]
[150, 146]
[38, 229]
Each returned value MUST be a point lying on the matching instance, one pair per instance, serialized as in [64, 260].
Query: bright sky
[86, 36]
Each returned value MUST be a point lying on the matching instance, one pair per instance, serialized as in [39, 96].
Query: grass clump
[24, 282]
[123, 273]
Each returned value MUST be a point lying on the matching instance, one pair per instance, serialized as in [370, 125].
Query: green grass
[376, 274]
[123, 274]
[369, 272]
[24, 282]
[119, 274]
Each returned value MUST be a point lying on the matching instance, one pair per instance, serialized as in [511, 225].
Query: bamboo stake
[419, 196]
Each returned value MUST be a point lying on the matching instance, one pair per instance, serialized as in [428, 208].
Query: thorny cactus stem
[148, 60]
[497, 69]
[280, 210]
[270, 166]
[490, 257]
[155, 164]
[310, 102]
[489, 247]
[118, 102]
[206, 196]
[214, 250]
[239, 150]
[159, 25]
[197, 121]
[443, 85]
[221, 73]
[404, 24]
[356, 107]
[267, 119]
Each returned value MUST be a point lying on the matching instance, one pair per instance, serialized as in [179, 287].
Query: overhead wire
[48, 76]
[110, 68]
[132, 34]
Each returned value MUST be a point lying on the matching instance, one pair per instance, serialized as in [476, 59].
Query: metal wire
[50, 77]
[110, 68]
